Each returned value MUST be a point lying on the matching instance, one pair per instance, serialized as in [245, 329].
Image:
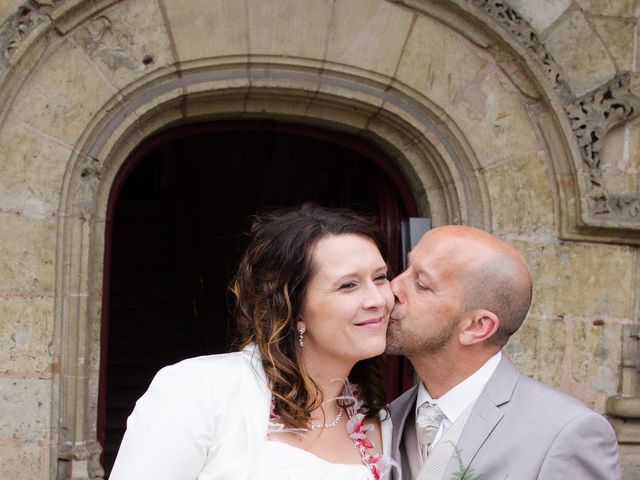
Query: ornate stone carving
[519, 28]
[18, 26]
[626, 205]
[591, 118]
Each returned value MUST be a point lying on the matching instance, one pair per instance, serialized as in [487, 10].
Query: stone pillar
[624, 408]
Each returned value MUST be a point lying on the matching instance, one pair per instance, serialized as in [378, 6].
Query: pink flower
[356, 428]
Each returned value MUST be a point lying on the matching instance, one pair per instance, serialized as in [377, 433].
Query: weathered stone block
[26, 330]
[596, 354]
[538, 348]
[493, 109]
[624, 8]
[630, 460]
[588, 281]
[27, 254]
[466, 83]
[21, 460]
[127, 42]
[619, 166]
[540, 13]
[63, 95]
[205, 28]
[595, 357]
[432, 58]
[26, 408]
[587, 66]
[31, 171]
[631, 161]
[369, 34]
[289, 27]
[521, 196]
[619, 37]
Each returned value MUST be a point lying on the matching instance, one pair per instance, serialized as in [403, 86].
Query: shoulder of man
[546, 398]
[543, 407]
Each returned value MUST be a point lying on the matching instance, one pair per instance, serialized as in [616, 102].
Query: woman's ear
[482, 325]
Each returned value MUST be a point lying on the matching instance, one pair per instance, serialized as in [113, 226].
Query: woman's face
[348, 302]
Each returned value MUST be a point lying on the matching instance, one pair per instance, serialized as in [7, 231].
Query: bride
[303, 397]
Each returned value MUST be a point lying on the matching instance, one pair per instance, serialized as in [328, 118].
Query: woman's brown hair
[270, 290]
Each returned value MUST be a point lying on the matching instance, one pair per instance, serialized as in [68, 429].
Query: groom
[464, 293]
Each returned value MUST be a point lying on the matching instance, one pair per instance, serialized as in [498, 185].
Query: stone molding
[624, 408]
[83, 460]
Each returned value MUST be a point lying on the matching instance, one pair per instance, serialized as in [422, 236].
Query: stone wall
[520, 118]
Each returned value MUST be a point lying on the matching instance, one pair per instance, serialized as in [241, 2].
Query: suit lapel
[400, 409]
[485, 415]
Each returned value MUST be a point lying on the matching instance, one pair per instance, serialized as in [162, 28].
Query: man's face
[429, 299]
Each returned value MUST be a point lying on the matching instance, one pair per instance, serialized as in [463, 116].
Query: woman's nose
[375, 296]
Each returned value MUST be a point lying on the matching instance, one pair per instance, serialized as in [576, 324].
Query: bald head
[494, 276]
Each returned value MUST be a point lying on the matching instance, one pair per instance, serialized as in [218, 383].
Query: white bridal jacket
[205, 418]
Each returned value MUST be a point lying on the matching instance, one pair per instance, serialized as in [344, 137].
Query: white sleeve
[171, 428]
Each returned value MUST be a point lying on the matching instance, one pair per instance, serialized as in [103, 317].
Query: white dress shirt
[459, 397]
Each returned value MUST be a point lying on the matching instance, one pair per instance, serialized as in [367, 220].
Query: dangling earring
[301, 331]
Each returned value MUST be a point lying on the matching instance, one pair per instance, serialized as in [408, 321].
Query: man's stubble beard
[403, 342]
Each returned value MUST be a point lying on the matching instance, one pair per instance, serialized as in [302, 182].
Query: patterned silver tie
[427, 424]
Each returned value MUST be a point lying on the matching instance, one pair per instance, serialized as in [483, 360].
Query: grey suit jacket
[521, 429]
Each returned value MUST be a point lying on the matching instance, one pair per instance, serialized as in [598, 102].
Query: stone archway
[463, 108]
[452, 196]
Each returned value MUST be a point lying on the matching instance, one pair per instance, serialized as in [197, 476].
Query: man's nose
[396, 288]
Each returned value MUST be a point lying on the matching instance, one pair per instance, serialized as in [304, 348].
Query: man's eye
[421, 286]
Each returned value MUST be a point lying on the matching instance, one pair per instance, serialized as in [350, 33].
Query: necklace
[318, 426]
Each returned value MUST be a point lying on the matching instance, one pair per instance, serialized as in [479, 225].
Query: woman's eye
[381, 278]
[347, 286]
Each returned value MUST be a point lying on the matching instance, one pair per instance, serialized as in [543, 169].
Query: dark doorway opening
[176, 227]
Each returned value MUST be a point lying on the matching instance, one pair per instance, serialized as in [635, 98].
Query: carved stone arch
[434, 157]
[424, 137]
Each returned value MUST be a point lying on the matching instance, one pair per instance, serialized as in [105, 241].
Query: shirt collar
[459, 397]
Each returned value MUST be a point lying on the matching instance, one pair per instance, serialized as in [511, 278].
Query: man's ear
[481, 325]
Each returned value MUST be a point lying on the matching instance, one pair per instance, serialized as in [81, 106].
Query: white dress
[280, 461]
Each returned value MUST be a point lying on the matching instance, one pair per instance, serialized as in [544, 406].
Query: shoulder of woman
[219, 368]
[210, 374]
